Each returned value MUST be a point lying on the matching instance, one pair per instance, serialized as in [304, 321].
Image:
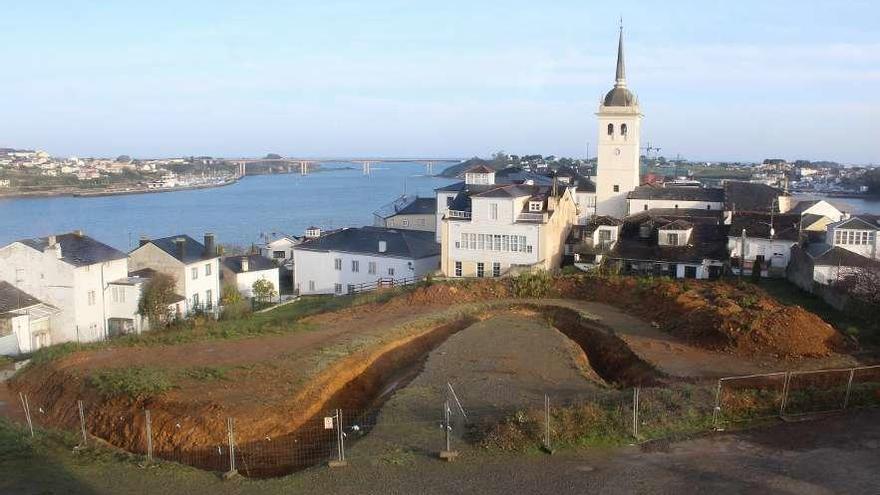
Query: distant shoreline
[76, 193]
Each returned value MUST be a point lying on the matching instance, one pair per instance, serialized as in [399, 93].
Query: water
[851, 205]
[337, 196]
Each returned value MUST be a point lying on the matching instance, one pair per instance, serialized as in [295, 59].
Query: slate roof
[412, 244]
[193, 250]
[78, 250]
[678, 225]
[579, 233]
[421, 206]
[855, 223]
[11, 298]
[585, 185]
[666, 215]
[708, 239]
[748, 196]
[810, 219]
[838, 256]
[804, 205]
[256, 263]
[479, 169]
[785, 226]
[707, 194]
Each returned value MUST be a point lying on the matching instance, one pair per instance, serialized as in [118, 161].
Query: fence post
[340, 443]
[785, 385]
[149, 432]
[636, 393]
[448, 454]
[716, 413]
[27, 411]
[230, 437]
[547, 445]
[82, 423]
[852, 372]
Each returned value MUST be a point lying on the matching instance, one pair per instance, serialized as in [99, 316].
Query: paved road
[834, 455]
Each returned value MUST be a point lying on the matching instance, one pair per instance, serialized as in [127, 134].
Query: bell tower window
[610, 129]
[623, 129]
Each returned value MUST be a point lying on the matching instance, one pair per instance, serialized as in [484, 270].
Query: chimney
[52, 240]
[143, 241]
[78, 233]
[244, 263]
[383, 246]
[210, 250]
[180, 243]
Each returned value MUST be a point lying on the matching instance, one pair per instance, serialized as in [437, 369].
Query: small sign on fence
[328, 422]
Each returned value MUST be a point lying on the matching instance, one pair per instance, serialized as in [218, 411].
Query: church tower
[618, 154]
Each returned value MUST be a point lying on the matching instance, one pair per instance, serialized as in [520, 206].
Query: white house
[831, 264]
[243, 271]
[771, 246]
[25, 321]
[587, 244]
[489, 230]
[280, 249]
[408, 212]
[812, 207]
[858, 234]
[650, 197]
[194, 266]
[70, 272]
[585, 199]
[348, 259]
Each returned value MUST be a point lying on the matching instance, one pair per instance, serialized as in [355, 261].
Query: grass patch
[206, 373]
[130, 382]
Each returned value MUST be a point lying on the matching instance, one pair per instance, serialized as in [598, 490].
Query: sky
[717, 80]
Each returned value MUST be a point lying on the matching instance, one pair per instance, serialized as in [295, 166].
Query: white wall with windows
[639, 205]
[859, 241]
[336, 272]
[202, 284]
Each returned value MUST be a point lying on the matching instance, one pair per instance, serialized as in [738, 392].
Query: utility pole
[742, 254]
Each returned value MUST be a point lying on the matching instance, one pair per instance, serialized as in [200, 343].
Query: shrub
[235, 311]
[536, 284]
[130, 382]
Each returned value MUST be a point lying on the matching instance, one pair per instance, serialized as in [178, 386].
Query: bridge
[305, 164]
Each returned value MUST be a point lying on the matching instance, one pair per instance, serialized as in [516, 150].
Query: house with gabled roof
[858, 234]
[763, 238]
[25, 321]
[70, 272]
[408, 212]
[350, 259]
[194, 266]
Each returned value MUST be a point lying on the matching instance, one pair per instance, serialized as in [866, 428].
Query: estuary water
[336, 196]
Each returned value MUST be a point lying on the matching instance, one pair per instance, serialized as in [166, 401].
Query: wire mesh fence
[445, 426]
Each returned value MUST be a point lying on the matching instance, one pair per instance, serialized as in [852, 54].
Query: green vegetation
[156, 298]
[206, 373]
[130, 382]
[532, 285]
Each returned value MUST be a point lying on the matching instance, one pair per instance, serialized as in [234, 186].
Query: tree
[264, 290]
[157, 297]
[273, 156]
[229, 295]
[756, 270]
[863, 283]
[123, 159]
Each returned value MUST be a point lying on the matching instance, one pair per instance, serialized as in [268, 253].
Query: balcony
[532, 217]
[458, 215]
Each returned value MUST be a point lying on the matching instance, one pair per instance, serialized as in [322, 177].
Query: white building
[858, 234]
[25, 321]
[585, 199]
[490, 229]
[350, 259]
[243, 271]
[408, 212]
[831, 264]
[649, 197]
[618, 150]
[70, 272]
[280, 249]
[769, 246]
[195, 267]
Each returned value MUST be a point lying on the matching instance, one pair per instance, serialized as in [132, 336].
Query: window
[404, 222]
[535, 206]
[420, 222]
[91, 296]
[196, 300]
[514, 243]
[391, 272]
[355, 266]
[480, 269]
[208, 270]
[311, 286]
[209, 299]
[493, 211]
[616, 188]
[371, 267]
[496, 269]
[278, 255]
[623, 129]
[672, 239]
[505, 243]
[337, 263]
[646, 208]
[604, 235]
[350, 288]
[458, 268]
[194, 271]
[610, 129]
[497, 242]
[114, 294]
[337, 288]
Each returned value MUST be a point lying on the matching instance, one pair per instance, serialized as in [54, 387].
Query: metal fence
[443, 426]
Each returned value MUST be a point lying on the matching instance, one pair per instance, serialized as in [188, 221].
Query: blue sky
[716, 79]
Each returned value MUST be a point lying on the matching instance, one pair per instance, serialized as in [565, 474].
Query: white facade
[338, 272]
[639, 205]
[79, 292]
[197, 281]
[280, 250]
[586, 204]
[856, 237]
[776, 253]
[244, 281]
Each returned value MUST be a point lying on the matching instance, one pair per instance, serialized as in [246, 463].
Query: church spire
[620, 76]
